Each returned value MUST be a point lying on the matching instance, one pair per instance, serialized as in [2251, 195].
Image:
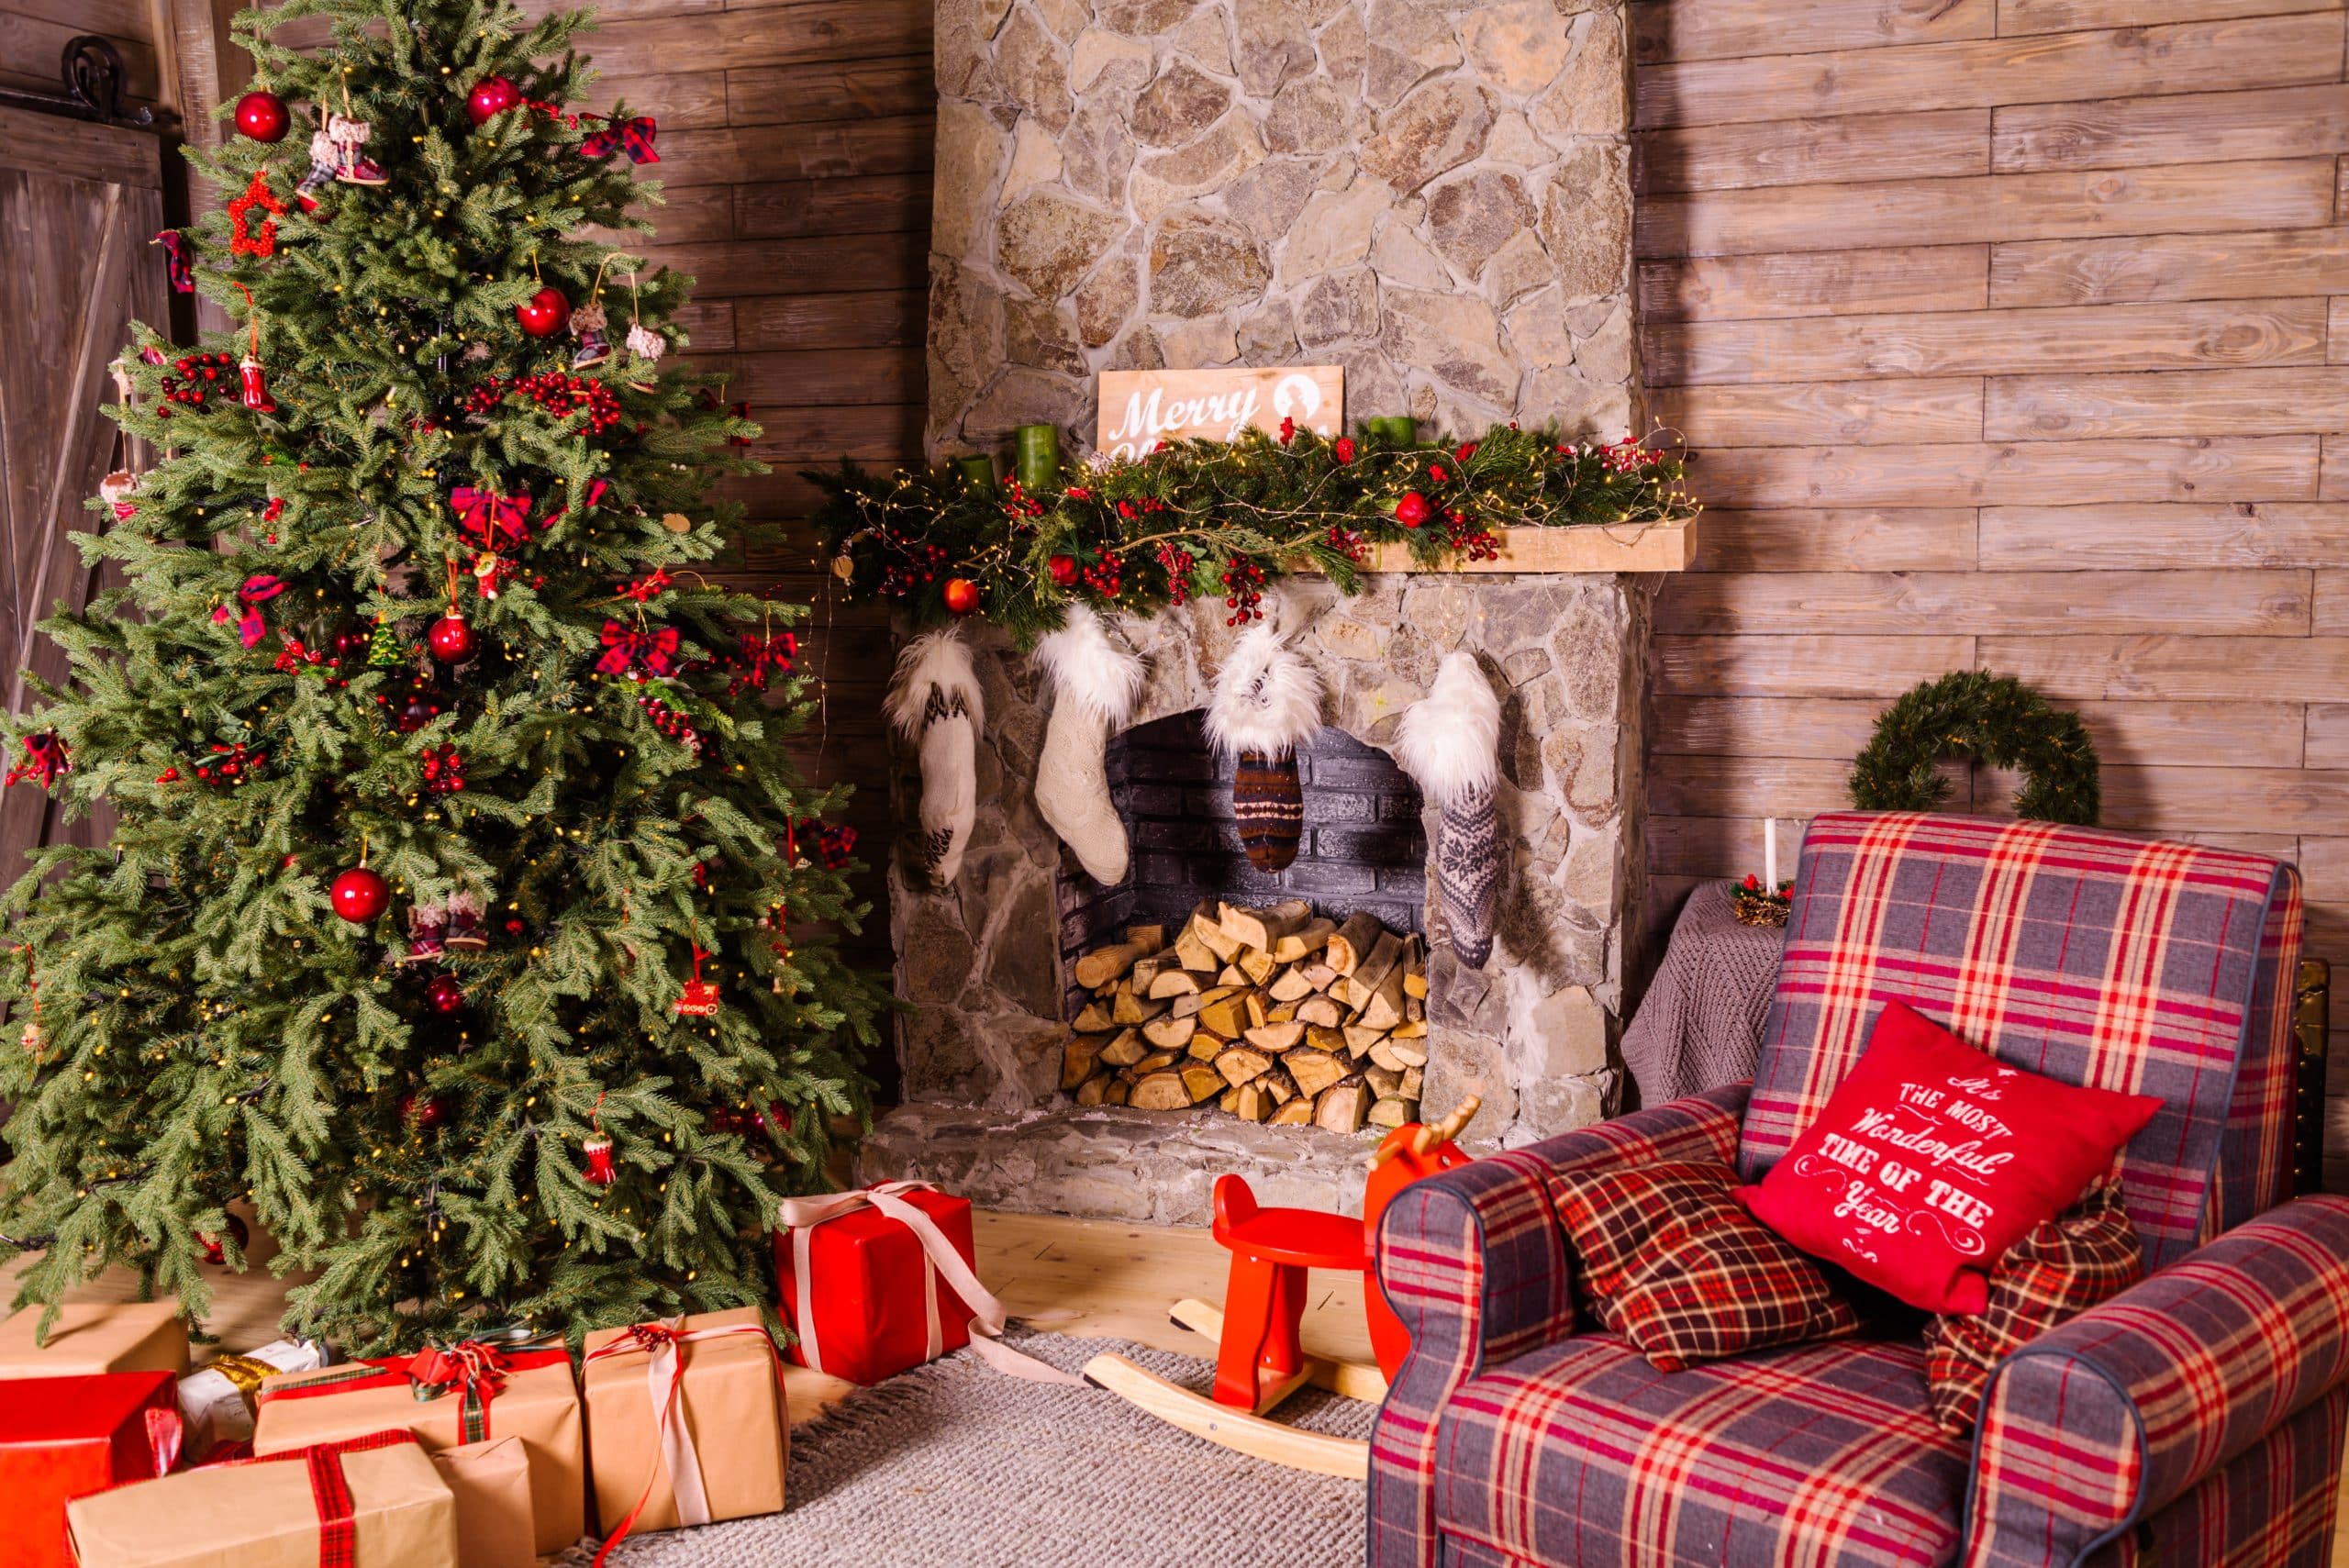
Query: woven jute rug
[954, 1465]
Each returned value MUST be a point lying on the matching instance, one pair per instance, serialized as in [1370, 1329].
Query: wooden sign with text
[1141, 408]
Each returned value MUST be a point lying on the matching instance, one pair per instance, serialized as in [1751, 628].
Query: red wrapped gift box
[62, 1438]
[874, 1303]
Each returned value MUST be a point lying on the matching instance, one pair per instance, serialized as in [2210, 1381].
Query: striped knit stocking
[1449, 744]
[1266, 703]
[1270, 806]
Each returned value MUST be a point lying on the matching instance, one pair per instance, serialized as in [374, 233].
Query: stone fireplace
[986, 964]
[1434, 195]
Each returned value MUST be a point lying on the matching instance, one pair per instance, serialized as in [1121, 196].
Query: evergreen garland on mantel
[1219, 521]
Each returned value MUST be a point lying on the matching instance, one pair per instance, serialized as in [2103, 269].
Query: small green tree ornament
[1977, 717]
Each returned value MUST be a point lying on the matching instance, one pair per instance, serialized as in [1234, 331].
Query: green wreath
[1979, 717]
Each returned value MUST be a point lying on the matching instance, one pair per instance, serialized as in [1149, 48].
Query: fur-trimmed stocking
[1449, 745]
[1267, 703]
[1096, 680]
[934, 702]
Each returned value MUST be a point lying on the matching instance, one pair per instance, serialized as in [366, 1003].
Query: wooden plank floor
[1072, 1277]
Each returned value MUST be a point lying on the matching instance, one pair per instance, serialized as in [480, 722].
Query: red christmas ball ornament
[545, 313]
[238, 1231]
[598, 1151]
[491, 97]
[424, 1112]
[445, 994]
[451, 639]
[1412, 509]
[262, 116]
[360, 895]
[962, 595]
[1064, 570]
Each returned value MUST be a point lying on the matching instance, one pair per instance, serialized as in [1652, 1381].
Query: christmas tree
[453, 921]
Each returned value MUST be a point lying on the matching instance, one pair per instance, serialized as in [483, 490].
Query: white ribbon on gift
[800, 1216]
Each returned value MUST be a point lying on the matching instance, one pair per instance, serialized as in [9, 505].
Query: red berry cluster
[669, 722]
[1103, 577]
[231, 765]
[1471, 540]
[444, 771]
[196, 372]
[1627, 456]
[1178, 562]
[1020, 503]
[557, 392]
[1244, 593]
[901, 579]
[1348, 543]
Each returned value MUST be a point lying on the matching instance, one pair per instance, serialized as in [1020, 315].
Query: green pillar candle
[1394, 430]
[1037, 449]
[978, 471]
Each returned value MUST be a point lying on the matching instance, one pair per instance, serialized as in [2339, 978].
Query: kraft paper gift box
[725, 1430]
[491, 1482]
[858, 1288]
[217, 1399]
[536, 1402]
[93, 1337]
[62, 1438]
[374, 1503]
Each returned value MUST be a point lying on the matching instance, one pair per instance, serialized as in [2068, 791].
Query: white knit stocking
[1096, 680]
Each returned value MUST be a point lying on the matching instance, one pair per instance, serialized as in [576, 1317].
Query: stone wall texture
[1433, 193]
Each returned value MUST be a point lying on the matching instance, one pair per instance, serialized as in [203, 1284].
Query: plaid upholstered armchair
[2195, 1419]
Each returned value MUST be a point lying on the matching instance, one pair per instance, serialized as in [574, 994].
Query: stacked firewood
[1276, 1015]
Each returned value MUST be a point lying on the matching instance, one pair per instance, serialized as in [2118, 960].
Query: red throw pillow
[1673, 1264]
[1932, 1158]
[2059, 1271]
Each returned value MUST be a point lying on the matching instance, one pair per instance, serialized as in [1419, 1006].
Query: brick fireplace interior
[1363, 849]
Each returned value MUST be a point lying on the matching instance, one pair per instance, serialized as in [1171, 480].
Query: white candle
[1769, 854]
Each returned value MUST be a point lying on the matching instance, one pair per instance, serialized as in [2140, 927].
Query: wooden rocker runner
[1259, 1362]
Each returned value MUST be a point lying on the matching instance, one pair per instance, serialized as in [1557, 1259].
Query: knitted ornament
[1096, 680]
[934, 702]
[1266, 703]
[1449, 745]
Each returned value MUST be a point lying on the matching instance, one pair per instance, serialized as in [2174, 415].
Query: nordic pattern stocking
[1270, 806]
[934, 703]
[1468, 873]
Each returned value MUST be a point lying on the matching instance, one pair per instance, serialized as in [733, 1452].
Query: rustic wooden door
[78, 204]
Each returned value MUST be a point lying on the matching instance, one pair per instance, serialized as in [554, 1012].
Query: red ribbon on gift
[329, 1487]
[664, 1374]
[475, 1370]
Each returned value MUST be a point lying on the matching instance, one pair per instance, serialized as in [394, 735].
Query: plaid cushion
[2093, 958]
[1821, 1455]
[1672, 1263]
[2061, 1269]
[2132, 1404]
[2270, 1508]
[1475, 1264]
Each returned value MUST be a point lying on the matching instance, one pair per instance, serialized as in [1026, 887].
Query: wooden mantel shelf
[1629, 547]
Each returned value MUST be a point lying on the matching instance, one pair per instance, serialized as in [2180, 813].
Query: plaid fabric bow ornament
[259, 590]
[632, 135]
[627, 647]
[489, 518]
[44, 758]
[175, 262]
[763, 658]
[835, 845]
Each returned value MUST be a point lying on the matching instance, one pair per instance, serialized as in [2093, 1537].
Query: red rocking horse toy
[1259, 1362]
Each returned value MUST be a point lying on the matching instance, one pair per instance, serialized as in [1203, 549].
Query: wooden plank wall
[33, 35]
[2007, 331]
[795, 143]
